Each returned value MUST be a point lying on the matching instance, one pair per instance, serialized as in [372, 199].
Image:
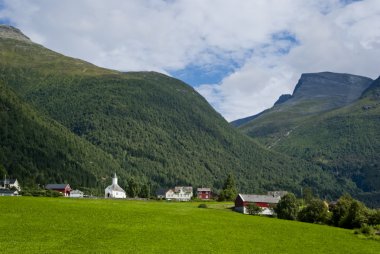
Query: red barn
[204, 193]
[62, 188]
[264, 201]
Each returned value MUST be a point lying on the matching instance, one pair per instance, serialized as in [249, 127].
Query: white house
[114, 190]
[9, 183]
[76, 194]
[180, 193]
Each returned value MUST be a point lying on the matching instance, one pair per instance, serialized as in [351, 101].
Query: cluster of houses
[65, 190]
[184, 193]
[178, 193]
[11, 187]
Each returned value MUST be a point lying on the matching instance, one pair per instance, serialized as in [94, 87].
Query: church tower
[114, 190]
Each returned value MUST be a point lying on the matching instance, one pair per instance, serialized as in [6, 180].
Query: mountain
[156, 128]
[314, 94]
[332, 121]
[34, 148]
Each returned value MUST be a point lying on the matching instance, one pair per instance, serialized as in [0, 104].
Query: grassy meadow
[61, 225]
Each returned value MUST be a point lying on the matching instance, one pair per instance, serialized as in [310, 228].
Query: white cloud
[170, 35]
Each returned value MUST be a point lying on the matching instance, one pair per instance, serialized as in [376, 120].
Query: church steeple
[114, 180]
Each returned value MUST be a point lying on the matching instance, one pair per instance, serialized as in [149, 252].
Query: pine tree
[229, 191]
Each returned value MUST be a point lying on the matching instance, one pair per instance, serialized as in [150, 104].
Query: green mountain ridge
[343, 140]
[36, 149]
[157, 128]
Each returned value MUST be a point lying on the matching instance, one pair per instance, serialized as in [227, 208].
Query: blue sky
[215, 72]
[240, 55]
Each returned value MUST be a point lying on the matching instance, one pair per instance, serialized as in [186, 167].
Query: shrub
[315, 212]
[287, 208]
[374, 217]
[202, 206]
[253, 209]
[367, 230]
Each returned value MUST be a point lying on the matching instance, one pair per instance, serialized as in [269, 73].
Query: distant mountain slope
[155, 126]
[314, 94]
[340, 134]
[36, 149]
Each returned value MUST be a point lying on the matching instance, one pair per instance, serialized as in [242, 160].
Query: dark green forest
[38, 150]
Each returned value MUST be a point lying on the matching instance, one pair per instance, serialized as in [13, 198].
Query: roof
[260, 198]
[183, 188]
[76, 192]
[204, 189]
[115, 187]
[8, 181]
[161, 192]
[54, 186]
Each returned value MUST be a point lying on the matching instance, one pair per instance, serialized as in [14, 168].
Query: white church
[114, 190]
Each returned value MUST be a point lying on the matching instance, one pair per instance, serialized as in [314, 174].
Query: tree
[356, 216]
[133, 188]
[307, 195]
[229, 191]
[2, 171]
[315, 212]
[287, 207]
[340, 210]
[145, 191]
[253, 209]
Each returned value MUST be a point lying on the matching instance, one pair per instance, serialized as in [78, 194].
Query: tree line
[346, 212]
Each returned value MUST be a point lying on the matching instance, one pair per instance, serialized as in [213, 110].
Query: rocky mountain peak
[10, 32]
[328, 84]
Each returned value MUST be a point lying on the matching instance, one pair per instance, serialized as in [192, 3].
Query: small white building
[180, 193]
[10, 183]
[76, 194]
[114, 190]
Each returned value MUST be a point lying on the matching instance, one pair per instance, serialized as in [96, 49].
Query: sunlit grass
[48, 225]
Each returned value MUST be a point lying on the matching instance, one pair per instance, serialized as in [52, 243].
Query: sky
[241, 55]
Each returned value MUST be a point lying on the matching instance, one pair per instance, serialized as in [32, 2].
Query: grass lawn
[61, 225]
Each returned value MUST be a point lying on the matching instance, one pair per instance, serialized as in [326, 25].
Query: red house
[62, 188]
[204, 193]
[266, 202]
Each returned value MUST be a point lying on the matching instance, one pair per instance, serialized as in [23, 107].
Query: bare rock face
[11, 32]
[345, 88]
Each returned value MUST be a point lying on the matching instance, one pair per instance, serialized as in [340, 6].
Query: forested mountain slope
[156, 127]
[343, 139]
[36, 149]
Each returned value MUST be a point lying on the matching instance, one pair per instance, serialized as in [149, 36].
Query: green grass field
[60, 225]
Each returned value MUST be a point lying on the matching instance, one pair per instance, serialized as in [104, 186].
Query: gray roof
[204, 189]
[161, 192]
[58, 186]
[183, 188]
[115, 187]
[260, 198]
[8, 181]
